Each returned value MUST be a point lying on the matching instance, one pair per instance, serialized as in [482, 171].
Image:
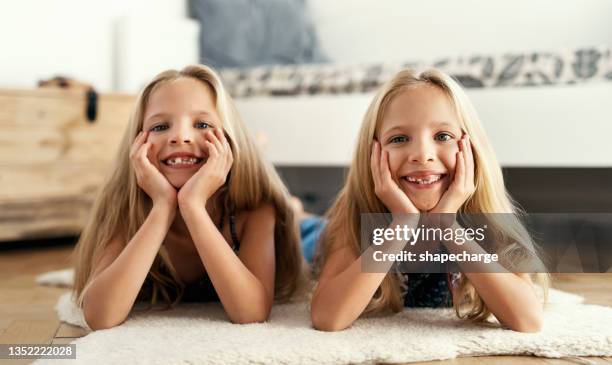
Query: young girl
[421, 148]
[191, 211]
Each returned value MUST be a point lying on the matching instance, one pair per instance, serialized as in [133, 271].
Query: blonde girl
[191, 211]
[422, 148]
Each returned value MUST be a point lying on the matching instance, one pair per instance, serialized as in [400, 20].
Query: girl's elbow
[98, 322]
[102, 325]
[529, 326]
[326, 325]
[530, 323]
[248, 317]
[325, 322]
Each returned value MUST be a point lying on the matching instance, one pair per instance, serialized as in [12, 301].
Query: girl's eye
[202, 125]
[398, 139]
[443, 137]
[159, 128]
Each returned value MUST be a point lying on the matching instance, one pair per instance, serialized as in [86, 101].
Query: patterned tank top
[432, 290]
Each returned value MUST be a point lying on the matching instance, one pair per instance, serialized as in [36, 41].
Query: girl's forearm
[511, 298]
[340, 300]
[111, 295]
[243, 296]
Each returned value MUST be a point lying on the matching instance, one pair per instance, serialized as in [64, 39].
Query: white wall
[354, 31]
[43, 38]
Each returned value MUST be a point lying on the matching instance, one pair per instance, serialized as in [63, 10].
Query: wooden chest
[53, 159]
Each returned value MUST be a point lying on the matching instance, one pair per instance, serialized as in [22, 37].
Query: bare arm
[244, 283]
[344, 289]
[119, 274]
[511, 297]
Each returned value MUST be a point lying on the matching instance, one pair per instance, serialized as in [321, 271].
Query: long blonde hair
[358, 196]
[122, 206]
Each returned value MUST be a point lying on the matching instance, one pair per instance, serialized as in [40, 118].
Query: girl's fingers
[373, 158]
[138, 162]
[215, 140]
[150, 151]
[137, 143]
[460, 170]
[374, 161]
[221, 137]
[143, 154]
[212, 150]
[209, 139]
[384, 166]
[464, 159]
[469, 159]
[458, 155]
[225, 147]
[212, 138]
[225, 152]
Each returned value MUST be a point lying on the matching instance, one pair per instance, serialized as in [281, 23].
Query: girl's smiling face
[421, 130]
[177, 116]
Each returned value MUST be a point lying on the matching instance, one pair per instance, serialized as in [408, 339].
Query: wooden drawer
[53, 159]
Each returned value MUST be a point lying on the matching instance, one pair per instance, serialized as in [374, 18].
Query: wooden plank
[44, 218]
[53, 160]
[20, 267]
[4, 324]
[70, 143]
[40, 129]
[595, 287]
[32, 183]
[30, 331]
[63, 340]
[68, 330]
[18, 362]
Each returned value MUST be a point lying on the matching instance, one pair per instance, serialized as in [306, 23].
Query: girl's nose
[422, 152]
[180, 140]
[183, 134]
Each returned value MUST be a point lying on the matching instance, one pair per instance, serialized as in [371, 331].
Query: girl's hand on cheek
[385, 187]
[212, 175]
[462, 186]
[148, 177]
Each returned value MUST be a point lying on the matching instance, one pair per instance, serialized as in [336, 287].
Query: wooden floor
[27, 312]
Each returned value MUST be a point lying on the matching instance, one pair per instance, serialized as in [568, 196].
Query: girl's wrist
[165, 204]
[191, 207]
[164, 209]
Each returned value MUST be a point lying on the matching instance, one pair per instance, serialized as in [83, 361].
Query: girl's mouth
[424, 182]
[183, 162]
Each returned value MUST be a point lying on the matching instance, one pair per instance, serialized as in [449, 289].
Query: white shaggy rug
[201, 334]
